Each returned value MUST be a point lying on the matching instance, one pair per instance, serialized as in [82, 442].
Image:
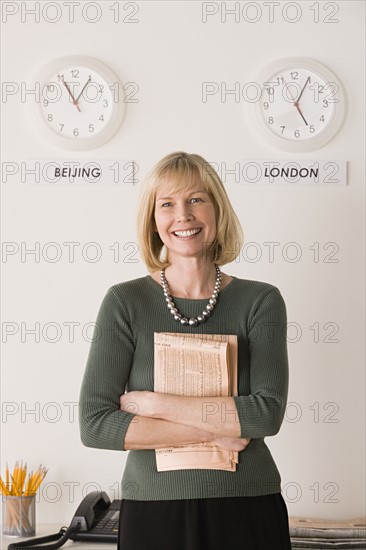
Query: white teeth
[187, 233]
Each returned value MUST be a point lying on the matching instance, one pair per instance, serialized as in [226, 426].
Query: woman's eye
[196, 199]
[166, 204]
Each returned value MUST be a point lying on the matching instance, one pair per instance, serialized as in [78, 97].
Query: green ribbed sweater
[121, 357]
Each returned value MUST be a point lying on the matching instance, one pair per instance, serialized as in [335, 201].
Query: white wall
[169, 52]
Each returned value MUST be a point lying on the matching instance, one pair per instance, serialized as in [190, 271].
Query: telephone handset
[96, 519]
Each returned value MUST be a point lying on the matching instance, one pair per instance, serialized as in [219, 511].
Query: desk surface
[49, 529]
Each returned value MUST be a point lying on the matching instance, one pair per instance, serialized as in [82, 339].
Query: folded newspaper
[202, 365]
[323, 534]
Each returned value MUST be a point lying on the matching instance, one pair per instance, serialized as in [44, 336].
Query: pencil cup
[19, 515]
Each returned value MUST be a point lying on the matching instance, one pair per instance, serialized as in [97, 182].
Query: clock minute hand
[296, 104]
[85, 85]
[72, 97]
[298, 99]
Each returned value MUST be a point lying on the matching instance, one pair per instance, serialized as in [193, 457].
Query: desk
[49, 529]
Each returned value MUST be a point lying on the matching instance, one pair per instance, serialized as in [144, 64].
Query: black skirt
[230, 523]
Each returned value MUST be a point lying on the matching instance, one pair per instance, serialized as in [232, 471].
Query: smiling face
[185, 220]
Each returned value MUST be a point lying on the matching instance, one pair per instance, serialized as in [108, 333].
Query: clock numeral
[270, 120]
[266, 105]
[49, 118]
[61, 127]
[325, 103]
[318, 89]
[297, 133]
[101, 88]
[45, 102]
[91, 127]
[294, 75]
[61, 77]
[75, 73]
[270, 90]
[312, 129]
[101, 118]
[321, 118]
[105, 103]
[76, 131]
[282, 129]
[51, 92]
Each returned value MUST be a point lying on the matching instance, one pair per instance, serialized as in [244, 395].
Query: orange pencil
[7, 476]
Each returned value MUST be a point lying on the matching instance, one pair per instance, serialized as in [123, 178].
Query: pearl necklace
[194, 321]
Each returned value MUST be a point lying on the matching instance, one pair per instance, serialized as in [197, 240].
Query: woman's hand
[232, 443]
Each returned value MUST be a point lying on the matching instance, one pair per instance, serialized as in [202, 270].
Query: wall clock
[81, 102]
[301, 105]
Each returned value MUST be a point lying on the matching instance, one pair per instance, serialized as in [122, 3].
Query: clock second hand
[72, 97]
[296, 103]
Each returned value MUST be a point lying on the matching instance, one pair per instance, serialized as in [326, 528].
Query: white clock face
[77, 102]
[298, 104]
[81, 104]
[301, 106]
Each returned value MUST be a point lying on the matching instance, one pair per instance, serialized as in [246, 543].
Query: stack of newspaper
[321, 533]
[196, 365]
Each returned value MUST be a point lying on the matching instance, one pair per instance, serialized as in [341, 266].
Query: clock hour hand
[298, 100]
[85, 85]
[302, 116]
[69, 91]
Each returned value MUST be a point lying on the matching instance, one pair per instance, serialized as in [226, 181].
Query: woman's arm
[152, 433]
[261, 413]
[214, 415]
[102, 424]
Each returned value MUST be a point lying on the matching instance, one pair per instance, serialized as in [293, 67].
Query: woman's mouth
[187, 232]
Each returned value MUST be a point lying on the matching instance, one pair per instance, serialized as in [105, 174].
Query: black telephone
[96, 519]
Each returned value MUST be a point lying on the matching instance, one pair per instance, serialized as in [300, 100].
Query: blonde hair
[180, 170]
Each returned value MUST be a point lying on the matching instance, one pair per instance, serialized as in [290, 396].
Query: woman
[187, 229]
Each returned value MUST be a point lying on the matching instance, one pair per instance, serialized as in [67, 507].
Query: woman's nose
[184, 213]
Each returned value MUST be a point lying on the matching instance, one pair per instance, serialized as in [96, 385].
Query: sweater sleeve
[102, 424]
[261, 413]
